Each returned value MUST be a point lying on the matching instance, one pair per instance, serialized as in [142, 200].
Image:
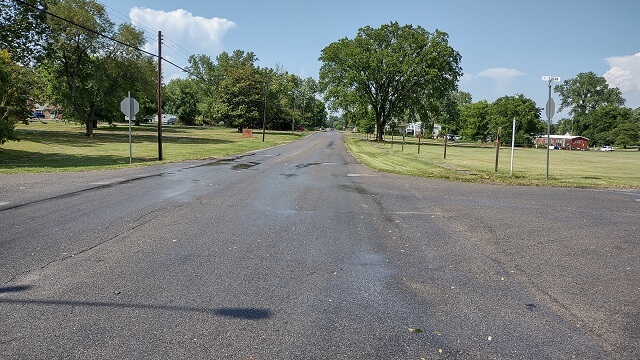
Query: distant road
[300, 252]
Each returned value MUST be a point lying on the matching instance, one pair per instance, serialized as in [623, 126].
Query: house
[565, 141]
[415, 128]
[46, 111]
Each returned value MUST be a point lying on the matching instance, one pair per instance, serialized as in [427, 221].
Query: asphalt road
[299, 252]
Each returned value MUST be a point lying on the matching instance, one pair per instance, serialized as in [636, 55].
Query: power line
[105, 36]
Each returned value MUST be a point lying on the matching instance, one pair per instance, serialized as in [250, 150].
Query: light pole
[550, 110]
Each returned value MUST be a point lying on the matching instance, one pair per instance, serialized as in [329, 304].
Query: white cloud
[184, 34]
[624, 73]
[467, 78]
[497, 81]
[500, 74]
[180, 24]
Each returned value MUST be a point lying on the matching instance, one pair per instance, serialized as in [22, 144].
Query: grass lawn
[476, 163]
[64, 147]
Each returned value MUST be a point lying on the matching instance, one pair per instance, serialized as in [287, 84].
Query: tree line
[393, 75]
[70, 54]
[598, 113]
[234, 92]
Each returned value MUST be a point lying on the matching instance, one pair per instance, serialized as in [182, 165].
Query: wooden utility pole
[446, 137]
[498, 147]
[159, 96]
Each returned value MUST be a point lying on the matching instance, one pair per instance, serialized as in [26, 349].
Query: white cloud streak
[500, 73]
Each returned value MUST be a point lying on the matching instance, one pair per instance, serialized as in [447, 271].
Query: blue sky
[506, 46]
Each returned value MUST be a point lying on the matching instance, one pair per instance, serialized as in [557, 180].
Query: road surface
[299, 252]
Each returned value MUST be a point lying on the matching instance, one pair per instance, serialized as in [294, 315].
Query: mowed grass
[476, 163]
[64, 147]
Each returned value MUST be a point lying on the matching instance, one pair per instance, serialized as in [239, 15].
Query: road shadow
[18, 288]
[248, 313]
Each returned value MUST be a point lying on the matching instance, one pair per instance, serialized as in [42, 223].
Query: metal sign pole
[130, 112]
[550, 110]
[513, 144]
[548, 129]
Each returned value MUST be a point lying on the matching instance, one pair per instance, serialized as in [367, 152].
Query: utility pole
[159, 96]
[498, 147]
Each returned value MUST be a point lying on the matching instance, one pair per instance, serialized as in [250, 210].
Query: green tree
[306, 99]
[626, 134]
[16, 84]
[366, 121]
[206, 74]
[474, 121]
[390, 69]
[564, 126]
[181, 99]
[603, 120]
[23, 29]
[446, 113]
[335, 122]
[583, 94]
[524, 110]
[239, 96]
[87, 74]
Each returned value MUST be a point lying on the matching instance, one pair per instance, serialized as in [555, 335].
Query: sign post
[513, 143]
[129, 107]
[550, 111]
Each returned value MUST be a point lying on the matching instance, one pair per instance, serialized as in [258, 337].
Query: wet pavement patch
[302, 166]
[355, 188]
[244, 166]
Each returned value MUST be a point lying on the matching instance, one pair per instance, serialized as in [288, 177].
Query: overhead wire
[108, 37]
[183, 53]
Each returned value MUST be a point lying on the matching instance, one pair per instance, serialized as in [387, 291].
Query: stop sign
[129, 106]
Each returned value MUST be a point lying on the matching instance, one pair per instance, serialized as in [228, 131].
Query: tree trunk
[379, 129]
[89, 124]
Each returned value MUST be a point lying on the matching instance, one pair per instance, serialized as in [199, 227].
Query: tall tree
[585, 93]
[206, 74]
[626, 134]
[87, 74]
[390, 69]
[23, 29]
[601, 122]
[181, 99]
[524, 110]
[239, 96]
[474, 119]
[16, 84]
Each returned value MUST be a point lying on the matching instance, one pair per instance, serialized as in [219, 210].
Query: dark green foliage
[23, 30]
[16, 87]
[391, 70]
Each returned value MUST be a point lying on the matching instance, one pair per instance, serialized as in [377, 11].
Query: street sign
[551, 109]
[130, 107]
[551, 78]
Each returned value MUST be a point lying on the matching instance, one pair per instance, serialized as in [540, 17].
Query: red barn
[564, 142]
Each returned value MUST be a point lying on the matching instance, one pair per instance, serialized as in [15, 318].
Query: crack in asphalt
[136, 224]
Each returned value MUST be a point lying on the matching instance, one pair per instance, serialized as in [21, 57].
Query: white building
[415, 129]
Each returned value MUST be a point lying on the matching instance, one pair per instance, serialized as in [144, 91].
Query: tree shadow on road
[229, 312]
